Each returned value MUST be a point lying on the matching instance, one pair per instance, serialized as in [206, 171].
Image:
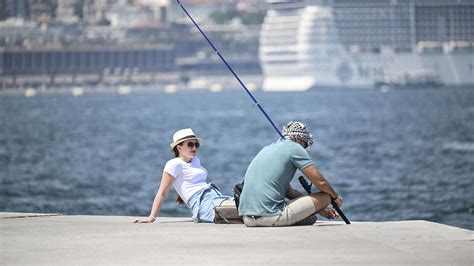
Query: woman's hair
[176, 152]
[179, 200]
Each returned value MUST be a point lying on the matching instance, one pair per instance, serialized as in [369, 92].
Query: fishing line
[245, 88]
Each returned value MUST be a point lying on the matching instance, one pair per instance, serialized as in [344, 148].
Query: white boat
[77, 91]
[344, 43]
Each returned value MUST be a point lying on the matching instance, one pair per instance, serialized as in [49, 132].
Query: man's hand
[318, 179]
[338, 201]
[329, 213]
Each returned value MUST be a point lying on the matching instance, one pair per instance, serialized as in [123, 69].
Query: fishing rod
[307, 187]
[232, 71]
[249, 93]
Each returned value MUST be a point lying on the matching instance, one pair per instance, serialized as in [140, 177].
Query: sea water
[393, 155]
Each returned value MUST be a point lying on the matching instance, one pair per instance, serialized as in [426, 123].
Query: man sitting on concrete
[267, 183]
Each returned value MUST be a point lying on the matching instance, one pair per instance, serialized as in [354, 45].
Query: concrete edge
[19, 215]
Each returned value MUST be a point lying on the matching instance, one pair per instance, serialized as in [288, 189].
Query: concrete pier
[55, 239]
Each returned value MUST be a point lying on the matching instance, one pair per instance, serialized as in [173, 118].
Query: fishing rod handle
[334, 205]
[305, 184]
[307, 187]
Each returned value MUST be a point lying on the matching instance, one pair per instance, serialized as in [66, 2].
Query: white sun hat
[183, 135]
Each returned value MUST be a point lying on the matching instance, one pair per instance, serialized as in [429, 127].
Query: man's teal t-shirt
[268, 177]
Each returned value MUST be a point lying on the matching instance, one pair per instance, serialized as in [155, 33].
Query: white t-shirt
[190, 177]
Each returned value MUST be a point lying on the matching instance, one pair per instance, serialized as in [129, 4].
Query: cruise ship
[367, 43]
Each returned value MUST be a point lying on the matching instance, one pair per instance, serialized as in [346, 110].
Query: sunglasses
[193, 144]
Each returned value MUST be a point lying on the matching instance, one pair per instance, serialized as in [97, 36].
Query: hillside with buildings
[122, 42]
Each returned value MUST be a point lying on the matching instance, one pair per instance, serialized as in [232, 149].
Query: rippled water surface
[404, 154]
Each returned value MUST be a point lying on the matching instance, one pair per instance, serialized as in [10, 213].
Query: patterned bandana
[295, 130]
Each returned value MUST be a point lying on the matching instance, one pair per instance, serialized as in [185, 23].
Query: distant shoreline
[127, 89]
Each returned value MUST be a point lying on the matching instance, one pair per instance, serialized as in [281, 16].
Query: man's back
[268, 177]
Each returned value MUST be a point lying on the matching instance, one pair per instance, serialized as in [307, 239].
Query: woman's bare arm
[166, 182]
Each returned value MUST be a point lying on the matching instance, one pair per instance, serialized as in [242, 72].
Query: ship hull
[316, 56]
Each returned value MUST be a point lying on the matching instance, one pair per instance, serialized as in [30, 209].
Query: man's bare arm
[320, 181]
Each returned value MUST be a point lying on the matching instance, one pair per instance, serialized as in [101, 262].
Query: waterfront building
[65, 11]
[14, 8]
[161, 9]
[94, 11]
[130, 16]
[41, 11]
[84, 65]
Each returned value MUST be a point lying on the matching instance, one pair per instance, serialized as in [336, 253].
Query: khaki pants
[294, 212]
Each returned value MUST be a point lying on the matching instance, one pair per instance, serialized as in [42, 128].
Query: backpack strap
[237, 191]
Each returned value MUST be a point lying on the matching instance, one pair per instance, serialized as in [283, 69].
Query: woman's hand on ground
[143, 221]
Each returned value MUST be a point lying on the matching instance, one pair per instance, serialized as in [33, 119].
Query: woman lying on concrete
[188, 177]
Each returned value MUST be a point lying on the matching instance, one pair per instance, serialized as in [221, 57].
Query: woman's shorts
[203, 202]
[294, 212]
